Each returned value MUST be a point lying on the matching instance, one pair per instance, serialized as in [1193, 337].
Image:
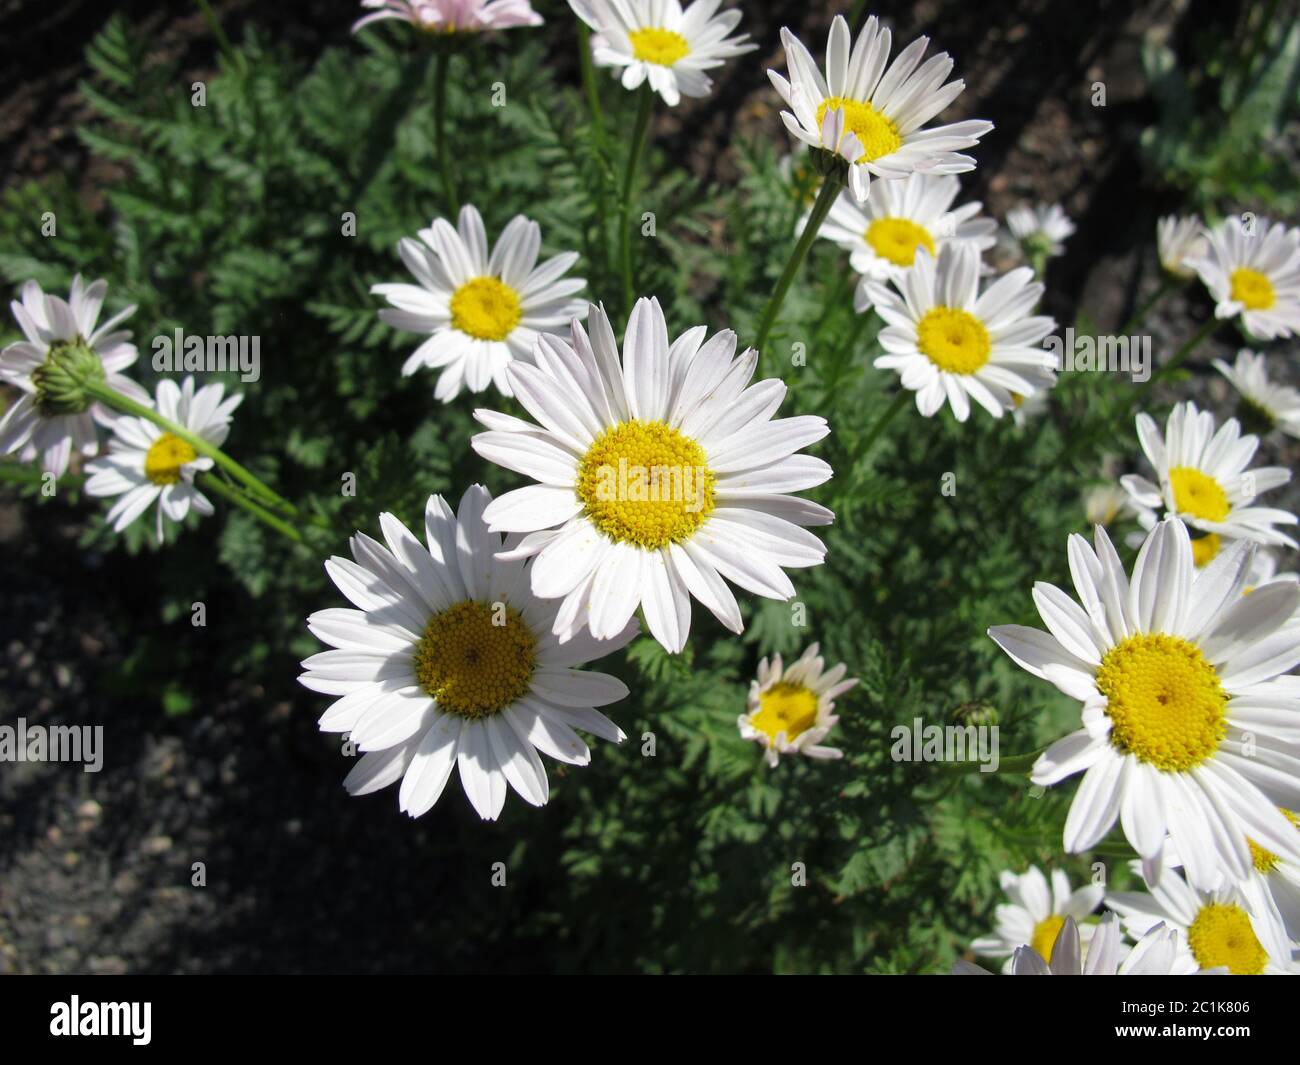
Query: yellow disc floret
[645, 483]
[165, 457]
[785, 707]
[1045, 933]
[897, 239]
[1205, 549]
[486, 308]
[877, 132]
[1164, 700]
[475, 658]
[1221, 936]
[1252, 289]
[659, 46]
[1198, 494]
[1265, 861]
[953, 339]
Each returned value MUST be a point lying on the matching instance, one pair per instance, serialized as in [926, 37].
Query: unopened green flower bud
[975, 712]
[62, 378]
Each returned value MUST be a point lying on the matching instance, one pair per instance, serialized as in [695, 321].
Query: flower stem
[865, 445]
[127, 405]
[589, 84]
[1180, 356]
[1167, 285]
[825, 201]
[442, 63]
[640, 134]
[233, 495]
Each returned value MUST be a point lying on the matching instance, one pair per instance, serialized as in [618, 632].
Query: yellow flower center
[644, 483]
[1045, 933]
[659, 46]
[165, 457]
[1164, 700]
[1205, 549]
[475, 659]
[878, 134]
[953, 339]
[485, 308]
[1198, 494]
[785, 707]
[1221, 935]
[1266, 861]
[1252, 289]
[897, 239]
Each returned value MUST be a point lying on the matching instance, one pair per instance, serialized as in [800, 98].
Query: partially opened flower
[1265, 405]
[660, 473]
[659, 42]
[871, 112]
[1254, 274]
[1040, 230]
[792, 708]
[1157, 954]
[1188, 722]
[64, 347]
[145, 464]
[481, 310]
[883, 233]
[451, 16]
[1035, 913]
[1216, 928]
[449, 662]
[1104, 504]
[952, 343]
[1178, 242]
[1204, 477]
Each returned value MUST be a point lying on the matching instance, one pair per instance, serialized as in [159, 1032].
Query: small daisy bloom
[656, 41]
[1255, 275]
[791, 708]
[52, 416]
[1216, 928]
[449, 662]
[1273, 886]
[1264, 404]
[1178, 242]
[1103, 504]
[1025, 409]
[883, 233]
[871, 112]
[1188, 733]
[146, 464]
[1041, 229]
[1156, 954]
[451, 16]
[1035, 913]
[951, 343]
[1203, 478]
[481, 310]
[661, 473]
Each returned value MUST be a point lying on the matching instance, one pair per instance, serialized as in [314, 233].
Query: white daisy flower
[1041, 229]
[1216, 928]
[1203, 478]
[1103, 504]
[1187, 733]
[1156, 954]
[872, 116]
[1035, 913]
[660, 474]
[451, 16]
[950, 342]
[883, 233]
[1025, 409]
[449, 661]
[1255, 275]
[1264, 570]
[656, 41]
[52, 416]
[146, 464]
[792, 708]
[480, 310]
[1178, 241]
[1273, 886]
[1265, 405]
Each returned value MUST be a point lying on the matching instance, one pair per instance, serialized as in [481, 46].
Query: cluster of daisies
[1189, 732]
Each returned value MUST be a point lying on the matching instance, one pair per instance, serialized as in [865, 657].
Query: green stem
[640, 134]
[589, 84]
[239, 499]
[825, 201]
[223, 42]
[441, 65]
[864, 446]
[1167, 285]
[127, 405]
[1016, 763]
[1180, 356]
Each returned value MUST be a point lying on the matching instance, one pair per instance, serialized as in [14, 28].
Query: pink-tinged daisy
[451, 16]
